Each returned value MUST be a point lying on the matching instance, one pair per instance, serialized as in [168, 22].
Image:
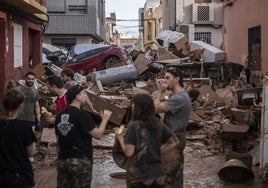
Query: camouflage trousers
[73, 172]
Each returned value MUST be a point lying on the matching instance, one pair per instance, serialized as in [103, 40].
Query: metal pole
[264, 133]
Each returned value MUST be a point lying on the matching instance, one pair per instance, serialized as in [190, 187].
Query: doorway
[254, 48]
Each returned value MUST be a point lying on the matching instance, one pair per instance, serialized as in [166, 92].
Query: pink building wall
[238, 18]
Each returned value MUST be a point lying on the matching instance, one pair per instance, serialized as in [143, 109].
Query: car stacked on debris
[54, 54]
[84, 58]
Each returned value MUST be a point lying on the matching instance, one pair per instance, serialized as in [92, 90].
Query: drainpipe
[175, 15]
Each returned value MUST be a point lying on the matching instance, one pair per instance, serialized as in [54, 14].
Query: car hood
[81, 48]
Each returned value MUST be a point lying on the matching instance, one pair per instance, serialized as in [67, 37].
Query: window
[55, 6]
[77, 9]
[64, 42]
[76, 6]
[254, 48]
[203, 36]
[17, 46]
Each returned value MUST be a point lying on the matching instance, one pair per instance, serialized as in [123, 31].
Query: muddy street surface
[201, 167]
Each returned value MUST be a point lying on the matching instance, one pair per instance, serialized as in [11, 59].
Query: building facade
[197, 19]
[75, 21]
[152, 23]
[21, 29]
[245, 33]
[111, 34]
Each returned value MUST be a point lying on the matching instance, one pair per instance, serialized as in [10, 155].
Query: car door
[94, 59]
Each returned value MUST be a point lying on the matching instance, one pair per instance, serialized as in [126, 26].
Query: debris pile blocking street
[226, 109]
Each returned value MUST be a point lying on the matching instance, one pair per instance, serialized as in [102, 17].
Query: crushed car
[54, 54]
[85, 58]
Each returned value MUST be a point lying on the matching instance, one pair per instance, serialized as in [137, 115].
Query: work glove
[38, 125]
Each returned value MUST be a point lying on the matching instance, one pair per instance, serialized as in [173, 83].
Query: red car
[83, 58]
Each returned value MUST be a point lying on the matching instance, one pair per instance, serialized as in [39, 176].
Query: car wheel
[110, 60]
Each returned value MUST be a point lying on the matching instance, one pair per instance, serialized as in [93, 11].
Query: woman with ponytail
[16, 141]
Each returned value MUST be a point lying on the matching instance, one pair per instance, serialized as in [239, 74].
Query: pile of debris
[224, 107]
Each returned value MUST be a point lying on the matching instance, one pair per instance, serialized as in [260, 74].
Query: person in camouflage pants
[81, 167]
[75, 129]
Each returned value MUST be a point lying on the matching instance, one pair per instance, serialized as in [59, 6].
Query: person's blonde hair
[12, 97]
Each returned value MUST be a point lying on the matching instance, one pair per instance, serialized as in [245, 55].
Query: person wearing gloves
[75, 129]
[31, 111]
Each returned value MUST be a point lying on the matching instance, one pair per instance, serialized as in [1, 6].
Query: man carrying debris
[177, 110]
[31, 111]
[67, 76]
[75, 129]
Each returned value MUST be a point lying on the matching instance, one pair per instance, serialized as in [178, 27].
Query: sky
[125, 9]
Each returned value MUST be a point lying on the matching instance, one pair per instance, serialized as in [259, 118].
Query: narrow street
[213, 53]
[201, 168]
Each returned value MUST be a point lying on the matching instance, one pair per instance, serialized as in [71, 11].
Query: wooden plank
[100, 104]
[141, 63]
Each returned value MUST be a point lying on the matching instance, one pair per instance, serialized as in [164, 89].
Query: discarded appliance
[167, 37]
[211, 53]
[52, 69]
[116, 74]
[249, 97]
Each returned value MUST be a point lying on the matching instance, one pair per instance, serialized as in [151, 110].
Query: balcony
[32, 7]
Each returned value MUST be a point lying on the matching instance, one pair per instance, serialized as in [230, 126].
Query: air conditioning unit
[188, 30]
[203, 13]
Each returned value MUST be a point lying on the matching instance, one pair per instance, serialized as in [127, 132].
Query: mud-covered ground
[201, 167]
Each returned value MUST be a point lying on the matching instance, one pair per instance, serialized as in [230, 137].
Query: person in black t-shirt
[16, 142]
[75, 129]
[142, 144]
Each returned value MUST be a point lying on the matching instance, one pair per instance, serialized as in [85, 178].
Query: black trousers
[141, 185]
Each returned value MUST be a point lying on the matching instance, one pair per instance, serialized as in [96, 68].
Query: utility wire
[134, 20]
[126, 27]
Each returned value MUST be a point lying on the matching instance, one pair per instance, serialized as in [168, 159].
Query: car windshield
[88, 54]
[82, 48]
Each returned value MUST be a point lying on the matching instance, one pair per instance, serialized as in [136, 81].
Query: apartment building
[150, 22]
[75, 21]
[197, 19]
